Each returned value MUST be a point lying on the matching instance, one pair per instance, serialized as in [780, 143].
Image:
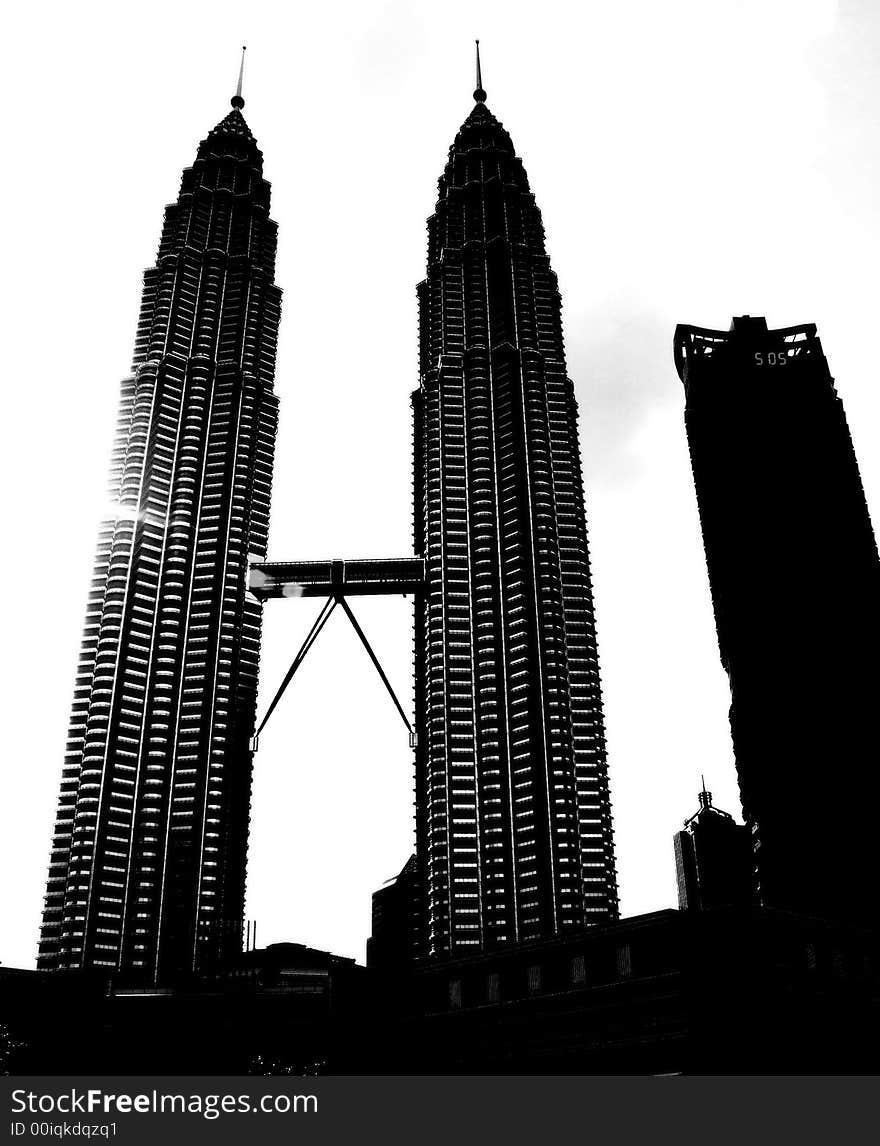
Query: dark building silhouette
[713, 860]
[148, 861]
[394, 943]
[701, 992]
[728, 991]
[512, 807]
[795, 580]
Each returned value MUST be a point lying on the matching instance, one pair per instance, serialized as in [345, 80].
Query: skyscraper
[148, 859]
[713, 860]
[513, 819]
[795, 581]
[394, 943]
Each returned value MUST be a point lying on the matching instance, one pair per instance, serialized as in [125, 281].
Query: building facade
[795, 581]
[393, 946]
[148, 859]
[514, 832]
[713, 860]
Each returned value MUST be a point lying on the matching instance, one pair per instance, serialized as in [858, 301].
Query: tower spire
[479, 94]
[237, 101]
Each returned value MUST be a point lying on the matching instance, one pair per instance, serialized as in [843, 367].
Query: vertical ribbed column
[512, 795]
[148, 865]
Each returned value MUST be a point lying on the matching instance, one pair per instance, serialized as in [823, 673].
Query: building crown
[707, 810]
[234, 123]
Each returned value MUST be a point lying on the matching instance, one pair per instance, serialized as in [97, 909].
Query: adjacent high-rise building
[713, 860]
[514, 832]
[148, 860]
[795, 581]
[394, 943]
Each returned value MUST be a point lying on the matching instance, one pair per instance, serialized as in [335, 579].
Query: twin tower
[514, 837]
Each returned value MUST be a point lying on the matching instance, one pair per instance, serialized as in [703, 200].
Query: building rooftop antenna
[237, 101]
[479, 94]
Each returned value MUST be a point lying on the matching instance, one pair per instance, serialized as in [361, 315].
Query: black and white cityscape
[500, 946]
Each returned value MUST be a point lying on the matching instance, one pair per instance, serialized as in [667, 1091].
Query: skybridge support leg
[329, 605]
[375, 660]
[321, 621]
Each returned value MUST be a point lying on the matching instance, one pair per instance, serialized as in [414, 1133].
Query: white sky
[692, 161]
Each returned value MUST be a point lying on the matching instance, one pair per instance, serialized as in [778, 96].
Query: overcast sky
[692, 161]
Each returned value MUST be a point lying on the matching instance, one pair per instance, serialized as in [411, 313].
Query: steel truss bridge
[335, 580]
